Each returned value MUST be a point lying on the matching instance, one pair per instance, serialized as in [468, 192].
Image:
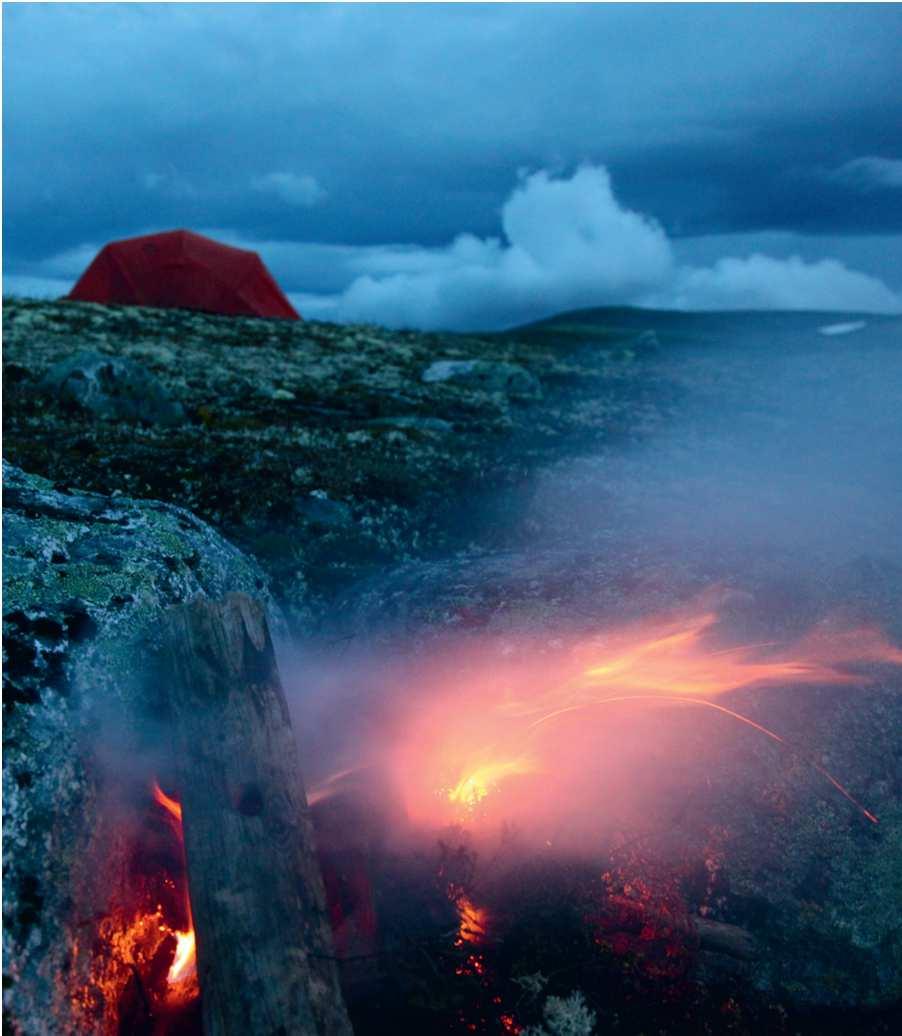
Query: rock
[112, 388]
[490, 376]
[86, 579]
[413, 423]
[318, 509]
[445, 370]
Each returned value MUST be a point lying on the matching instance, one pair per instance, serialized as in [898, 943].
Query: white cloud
[762, 282]
[303, 191]
[870, 173]
[568, 243]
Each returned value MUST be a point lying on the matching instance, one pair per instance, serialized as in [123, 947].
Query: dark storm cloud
[368, 124]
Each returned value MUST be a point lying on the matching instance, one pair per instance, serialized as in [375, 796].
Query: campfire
[496, 857]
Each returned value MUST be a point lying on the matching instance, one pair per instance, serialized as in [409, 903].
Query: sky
[468, 166]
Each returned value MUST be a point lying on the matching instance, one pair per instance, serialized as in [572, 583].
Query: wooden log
[264, 948]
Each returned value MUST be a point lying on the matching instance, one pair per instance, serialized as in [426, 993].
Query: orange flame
[470, 748]
[182, 974]
[472, 788]
[184, 963]
[173, 808]
[473, 921]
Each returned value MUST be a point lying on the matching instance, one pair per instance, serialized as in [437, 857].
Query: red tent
[182, 270]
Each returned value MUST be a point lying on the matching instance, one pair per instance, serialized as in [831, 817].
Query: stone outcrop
[86, 579]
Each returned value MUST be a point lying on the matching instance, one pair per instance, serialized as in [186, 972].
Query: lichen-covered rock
[85, 580]
[112, 388]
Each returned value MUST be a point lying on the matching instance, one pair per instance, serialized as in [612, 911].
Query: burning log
[264, 951]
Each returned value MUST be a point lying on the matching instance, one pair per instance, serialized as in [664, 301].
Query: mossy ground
[277, 411]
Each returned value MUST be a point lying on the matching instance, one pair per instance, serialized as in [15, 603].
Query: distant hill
[618, 324]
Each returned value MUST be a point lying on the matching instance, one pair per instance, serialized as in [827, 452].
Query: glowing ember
[474, 751]
[132, 941]
[130, 944]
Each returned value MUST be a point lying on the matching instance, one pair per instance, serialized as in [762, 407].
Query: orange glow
[471, 933]
[500, 737]
[674, 660]
[130, 943]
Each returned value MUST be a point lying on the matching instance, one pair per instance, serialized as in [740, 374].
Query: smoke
[568, 243]
[780, 481]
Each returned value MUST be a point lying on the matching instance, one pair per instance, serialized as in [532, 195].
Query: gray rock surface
[85, 580]
[112, 388]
